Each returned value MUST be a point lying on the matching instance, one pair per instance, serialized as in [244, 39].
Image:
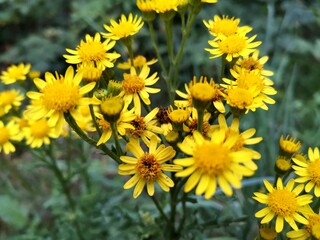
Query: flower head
[309, 172]
[213, 162]
[125, 28]
[136, 86]
[93, 50]
[10, 99]
[267, 233]
[289, 145]
[283, 203]
[138, 62]
[15, 73]
[90, 72]
[8, 133]
[147, 167]
[58, 95]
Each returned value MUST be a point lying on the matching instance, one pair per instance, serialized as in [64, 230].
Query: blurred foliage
[38, 31]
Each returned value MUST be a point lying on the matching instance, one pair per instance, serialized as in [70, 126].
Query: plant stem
[200, 119]
[115, 137]
[163, 215]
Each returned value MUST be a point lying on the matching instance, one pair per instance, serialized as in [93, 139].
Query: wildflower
[147, 167]
[283, 203]
[123, 124]
[8, 133]
[282, 165]
[209, 1]
[38, 133]
[179, 115]
[232, 46]
[58, 95]
[267, 233]
[125, 27]
[111, 108]
[146, 127]
[10, 99]
[309, 172]
[192, 123]
[289, 145]
[138, 62]
[93, 50]
[136, 86]
[15, 73]
[213, 162]
[34, 74]
[225, 26]
[84, 121]
[90, 72]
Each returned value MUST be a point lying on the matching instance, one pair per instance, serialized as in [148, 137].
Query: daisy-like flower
[146, 127]
[225, 26]
[8, 133]
[93, 50]
[136, 86]
[213, 162]
[283, 203]
[90, 72]
[253, 62]
[308, 231]
[58, 95]
[282, 164]
[289, 145]
[34, 74]
[14, 73]
[38, 133]
[267, 233]
[179, 115]
[147, 167]
[232, 46]
[138, 62]
[10, 99]
[209, 90]
[125, 28]
[249, 90]
[123, 124]
[309, 172]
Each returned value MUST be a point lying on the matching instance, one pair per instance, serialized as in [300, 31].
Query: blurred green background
[38, 31]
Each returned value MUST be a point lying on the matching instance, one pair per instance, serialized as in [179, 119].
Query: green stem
[223, 67]
[200, 120]
[184, 210]
[84, 160]
[163, 215]
[173, 208]
[115, 137]
[89, 140]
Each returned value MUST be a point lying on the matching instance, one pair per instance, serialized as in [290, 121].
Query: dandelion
[10, 99]
[93, 50]
[8, 133]
[136, 86]
[283, 203]
[213, 162]
[15, 73]
[233, 46]
[38, 133]
[309, 172]
[147, 167]
[58, 95]
[125, 28]
[289, 145]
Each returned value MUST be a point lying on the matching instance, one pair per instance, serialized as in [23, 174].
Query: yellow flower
[125, 27]
[282, 164]
[38, 133]
[136, 86]
[146, 127]
[9, 132]
[138, 62]
[267, 233]
[123, 124]
[90, 72]
[84, 121]
[232, 46]
[309, 172]
[252, 63]
[283, 203]
[10, 99]
[225, 26]
[93, 50]
[209, 1]
[179, 115]
[147, 167]
[308, 230]
[289, 145]
[213, 162]
[58, 95]
[34, 74]
[15, 73]
[192, 123]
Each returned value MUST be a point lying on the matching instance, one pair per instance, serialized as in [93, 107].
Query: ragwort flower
[283, 203]
[138, 62]
[147, 167]
[15, 73]
[8, 133]
[10, 99]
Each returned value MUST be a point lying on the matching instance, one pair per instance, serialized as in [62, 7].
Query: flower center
[313, 220]
[179, 115]
[203, 92]
[250, 64]
[162, 116]
[124, 29]
[232, 44]
[91, 51]
[139, 126]
[249, 79]
[282, 202]
[4, 135]
[239, 144]
[148, 167]
[132, 83]
[104, 125]
[239, 97]
[60, 96]
[212, 158]
[225, 26]
[139, 61]
[314, 171]
[7, 98]
[193, 125]
[40, 129]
